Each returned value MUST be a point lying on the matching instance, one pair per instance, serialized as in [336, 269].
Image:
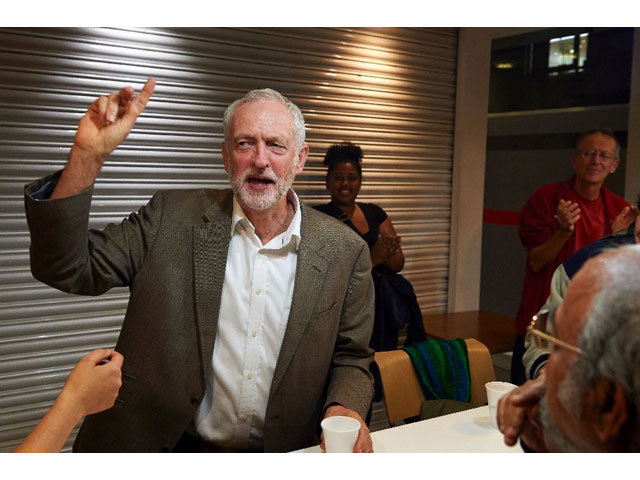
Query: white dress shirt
[254, 310]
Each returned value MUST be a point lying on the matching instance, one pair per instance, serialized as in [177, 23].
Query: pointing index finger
[139, 102]
[147, 91]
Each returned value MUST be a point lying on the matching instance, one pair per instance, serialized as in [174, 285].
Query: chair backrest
[401, 388]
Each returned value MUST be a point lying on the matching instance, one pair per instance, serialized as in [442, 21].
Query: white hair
[610, 339]
[268, 94]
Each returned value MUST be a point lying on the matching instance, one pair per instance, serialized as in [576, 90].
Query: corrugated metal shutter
[390, 90]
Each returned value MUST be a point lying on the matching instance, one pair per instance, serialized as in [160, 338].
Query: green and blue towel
[442, 367]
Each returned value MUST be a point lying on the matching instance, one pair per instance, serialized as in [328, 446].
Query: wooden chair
[401, 388]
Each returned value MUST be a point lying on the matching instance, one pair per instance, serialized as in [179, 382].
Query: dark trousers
[517, 367]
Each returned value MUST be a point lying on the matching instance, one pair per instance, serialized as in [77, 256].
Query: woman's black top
[372, 213]
[395, 301]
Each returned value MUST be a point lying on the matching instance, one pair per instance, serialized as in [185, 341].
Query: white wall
[469, 152]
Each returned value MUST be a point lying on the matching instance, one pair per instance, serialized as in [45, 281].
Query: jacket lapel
[310, 273]
[210, 247]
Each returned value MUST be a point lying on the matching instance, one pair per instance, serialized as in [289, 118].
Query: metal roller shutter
[391, 90]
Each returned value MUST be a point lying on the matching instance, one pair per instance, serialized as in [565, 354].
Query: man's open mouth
[260, 180]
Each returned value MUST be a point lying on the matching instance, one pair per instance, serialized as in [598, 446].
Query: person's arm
[105, 125]
[567, 214]
[388, 248]
[535, 360]
[92, 386]
[350, 384]
[64, 253]
[67, 255]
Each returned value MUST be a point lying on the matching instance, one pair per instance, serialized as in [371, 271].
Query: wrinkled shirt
[254, 310]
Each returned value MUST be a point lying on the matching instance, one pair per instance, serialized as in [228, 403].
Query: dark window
[561, 67]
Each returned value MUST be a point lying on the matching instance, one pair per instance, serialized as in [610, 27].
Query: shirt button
[249, 376]
[254, 334]
[258, 291]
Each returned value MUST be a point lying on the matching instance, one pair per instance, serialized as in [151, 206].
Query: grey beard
[264, 200]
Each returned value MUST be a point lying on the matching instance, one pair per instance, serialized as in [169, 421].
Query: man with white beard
[249, 315]
[587, 398]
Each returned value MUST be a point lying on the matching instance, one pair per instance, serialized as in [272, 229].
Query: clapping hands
[567, 214]
[385, 248]
[627, 215]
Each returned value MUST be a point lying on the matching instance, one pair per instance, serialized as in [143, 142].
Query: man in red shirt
[560, 218]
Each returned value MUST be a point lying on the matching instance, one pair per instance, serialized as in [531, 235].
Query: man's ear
[302, 158]
[610, 409]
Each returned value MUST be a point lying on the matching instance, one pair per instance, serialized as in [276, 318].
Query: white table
[464, 432]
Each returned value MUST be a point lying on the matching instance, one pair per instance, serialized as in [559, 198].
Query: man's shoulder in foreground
[211, 195]
[196, 204]
[326, 230]
[610, 242]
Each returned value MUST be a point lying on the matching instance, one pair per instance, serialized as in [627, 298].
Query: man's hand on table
[518, 414]
[364, 444]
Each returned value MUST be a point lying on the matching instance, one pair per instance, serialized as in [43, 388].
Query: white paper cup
[495, 390]
[340, 434]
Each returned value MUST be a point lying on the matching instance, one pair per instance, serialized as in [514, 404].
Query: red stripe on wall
[501, 217]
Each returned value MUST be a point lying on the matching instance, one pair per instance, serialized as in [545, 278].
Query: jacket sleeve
[350, 383]
[535, 360]
[69, 256]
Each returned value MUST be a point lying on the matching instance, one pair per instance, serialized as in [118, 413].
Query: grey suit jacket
[172, 255]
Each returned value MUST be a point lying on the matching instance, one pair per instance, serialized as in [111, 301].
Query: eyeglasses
[591, 154]
[540, 325]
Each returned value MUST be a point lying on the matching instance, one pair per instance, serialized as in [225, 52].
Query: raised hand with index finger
[108, 121]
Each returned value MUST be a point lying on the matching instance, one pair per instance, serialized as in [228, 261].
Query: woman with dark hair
[395, 301]
[344, 179]
[395, 304]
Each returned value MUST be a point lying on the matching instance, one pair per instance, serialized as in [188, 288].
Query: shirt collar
[293, 230]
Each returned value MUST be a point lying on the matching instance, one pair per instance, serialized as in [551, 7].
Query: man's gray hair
[268, 94]
[610, 340]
